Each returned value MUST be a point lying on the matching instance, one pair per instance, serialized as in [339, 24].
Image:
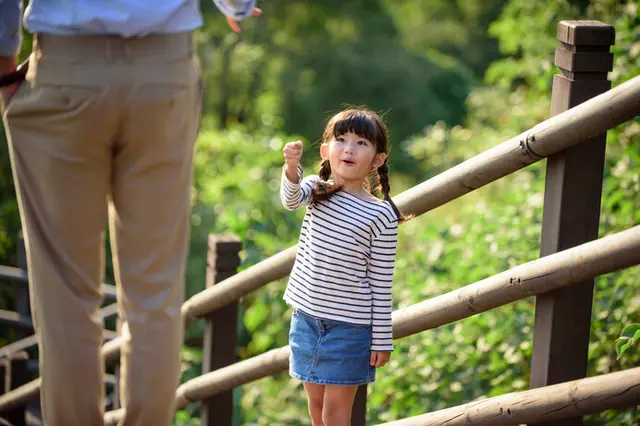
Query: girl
[340, 284]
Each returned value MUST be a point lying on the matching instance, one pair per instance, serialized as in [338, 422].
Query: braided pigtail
[383, 176]
[372, 183]
[322, 189]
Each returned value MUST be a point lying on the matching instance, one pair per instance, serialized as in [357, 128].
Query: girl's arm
[295, 194]
[294, 191]
[381, 266]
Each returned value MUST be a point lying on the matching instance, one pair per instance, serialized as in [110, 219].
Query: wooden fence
[571, 256]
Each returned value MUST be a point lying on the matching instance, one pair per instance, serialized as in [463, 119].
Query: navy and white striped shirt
[345, 259]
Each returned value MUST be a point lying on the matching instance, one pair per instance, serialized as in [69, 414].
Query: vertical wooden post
[219, 346]
[22, 293]
[16, 374]
[359, 413]
[571, 208]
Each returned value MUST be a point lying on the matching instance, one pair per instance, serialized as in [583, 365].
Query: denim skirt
[329, 352]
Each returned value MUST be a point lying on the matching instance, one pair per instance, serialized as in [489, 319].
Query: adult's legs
[59, 126]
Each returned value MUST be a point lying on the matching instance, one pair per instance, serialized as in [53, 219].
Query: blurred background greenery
[453, 78]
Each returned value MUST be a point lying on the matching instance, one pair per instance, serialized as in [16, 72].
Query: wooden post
[571, 208]
[22, 293]
[359, 413]
[15, 374]
[219, 345]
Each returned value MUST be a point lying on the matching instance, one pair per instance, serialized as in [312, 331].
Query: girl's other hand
[379, 359]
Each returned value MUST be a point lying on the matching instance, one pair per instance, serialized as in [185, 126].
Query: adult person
[103, 127]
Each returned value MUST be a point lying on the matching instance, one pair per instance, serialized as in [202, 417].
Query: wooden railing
[573, 142]
[17, 363]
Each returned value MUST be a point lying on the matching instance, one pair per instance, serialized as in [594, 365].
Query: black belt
[16, 76]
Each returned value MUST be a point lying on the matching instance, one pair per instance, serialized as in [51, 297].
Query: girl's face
[351, 157]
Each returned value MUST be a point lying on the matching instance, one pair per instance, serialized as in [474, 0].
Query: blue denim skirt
[328, 352]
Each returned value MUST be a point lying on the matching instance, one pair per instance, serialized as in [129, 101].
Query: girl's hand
[379, 359]
[292, 154]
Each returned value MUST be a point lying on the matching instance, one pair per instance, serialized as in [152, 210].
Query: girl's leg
[338, 402]
[315, 395]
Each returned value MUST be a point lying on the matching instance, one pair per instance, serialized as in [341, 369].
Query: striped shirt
[345, 259]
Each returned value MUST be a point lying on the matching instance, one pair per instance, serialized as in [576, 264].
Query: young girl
[340, 284]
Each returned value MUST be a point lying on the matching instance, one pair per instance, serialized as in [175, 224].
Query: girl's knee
[337, 405]
[315, 409]
[337, 412]
[336, 416]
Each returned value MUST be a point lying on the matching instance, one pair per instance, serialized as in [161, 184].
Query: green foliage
[457, 29]
[9, 216]
[304, 60]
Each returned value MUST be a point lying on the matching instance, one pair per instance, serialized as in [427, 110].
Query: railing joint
[525, 144]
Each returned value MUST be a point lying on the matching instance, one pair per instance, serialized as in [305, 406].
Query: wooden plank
[571, 214]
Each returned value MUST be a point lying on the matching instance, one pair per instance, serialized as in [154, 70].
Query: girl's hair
[366, 124]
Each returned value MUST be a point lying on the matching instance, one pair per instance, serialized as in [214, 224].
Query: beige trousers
[104, 128]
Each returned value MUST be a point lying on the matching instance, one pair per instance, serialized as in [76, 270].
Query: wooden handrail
[554, 402]
[240, 284]
[558, 270]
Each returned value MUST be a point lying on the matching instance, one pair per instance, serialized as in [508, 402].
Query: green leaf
[631, 331]
[622, 345]
[255, 316]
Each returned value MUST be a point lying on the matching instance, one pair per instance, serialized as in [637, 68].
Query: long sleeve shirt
[126, 18]
[345, 259]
